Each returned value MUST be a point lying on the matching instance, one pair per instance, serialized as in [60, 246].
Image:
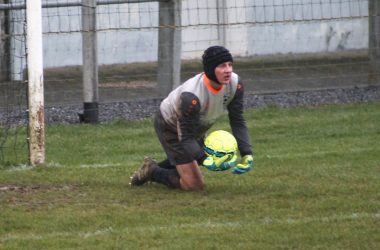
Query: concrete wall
[252, 27]
[325, 27]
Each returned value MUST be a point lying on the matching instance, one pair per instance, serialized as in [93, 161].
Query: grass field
[315, 185]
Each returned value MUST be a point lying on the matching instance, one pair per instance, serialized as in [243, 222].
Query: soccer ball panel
[220, 142]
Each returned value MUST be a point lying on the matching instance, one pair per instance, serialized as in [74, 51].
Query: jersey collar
[209, 86]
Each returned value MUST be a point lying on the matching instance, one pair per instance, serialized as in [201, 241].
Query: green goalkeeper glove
[244, 166]
[219, 164]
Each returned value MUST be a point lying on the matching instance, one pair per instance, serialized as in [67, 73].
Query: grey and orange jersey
[193, 107]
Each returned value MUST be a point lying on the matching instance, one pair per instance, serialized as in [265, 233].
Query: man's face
[223, 72]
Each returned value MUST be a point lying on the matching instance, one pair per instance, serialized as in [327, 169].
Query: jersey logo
[225, 98]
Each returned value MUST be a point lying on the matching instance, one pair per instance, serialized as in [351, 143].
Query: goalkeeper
[183, 119]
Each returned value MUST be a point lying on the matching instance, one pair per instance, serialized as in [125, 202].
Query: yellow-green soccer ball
[219, 143]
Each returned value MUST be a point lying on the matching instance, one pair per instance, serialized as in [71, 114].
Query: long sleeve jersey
[193, 107]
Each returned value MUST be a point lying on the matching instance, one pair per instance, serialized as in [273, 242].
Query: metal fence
[145, 48]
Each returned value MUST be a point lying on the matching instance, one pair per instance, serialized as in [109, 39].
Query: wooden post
[374, 40]
[90, 63]
[35, 82]
[169, 46]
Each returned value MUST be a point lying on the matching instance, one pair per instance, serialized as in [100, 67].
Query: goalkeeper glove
[219, 164]
[244, 166]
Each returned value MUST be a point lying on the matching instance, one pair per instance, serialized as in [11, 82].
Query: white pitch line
[101, 165]
[97, 232]
[208, 224]
[25, 167]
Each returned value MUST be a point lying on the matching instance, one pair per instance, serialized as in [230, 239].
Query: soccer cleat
[144, 173]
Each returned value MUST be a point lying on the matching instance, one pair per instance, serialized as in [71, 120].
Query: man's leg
[150, 171]
[167, 177]
[185, 176]
[166, 164]
[144, 173]
[191, 177]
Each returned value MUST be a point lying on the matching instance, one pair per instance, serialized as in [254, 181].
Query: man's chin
[224, 81]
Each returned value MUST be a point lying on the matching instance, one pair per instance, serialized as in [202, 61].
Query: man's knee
[190, 176]
[192, 184]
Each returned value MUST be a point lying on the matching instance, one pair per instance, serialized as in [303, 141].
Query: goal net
[278, 46]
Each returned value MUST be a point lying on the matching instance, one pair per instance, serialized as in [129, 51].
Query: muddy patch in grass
[32, 188]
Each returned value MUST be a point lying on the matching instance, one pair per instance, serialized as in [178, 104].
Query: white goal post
[35, 82]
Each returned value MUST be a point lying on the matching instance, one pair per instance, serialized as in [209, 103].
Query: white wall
[116, 45]
[253, 27]
[269, 27]
[307, 27]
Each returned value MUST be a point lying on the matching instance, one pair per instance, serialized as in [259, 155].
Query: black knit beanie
[212, 57]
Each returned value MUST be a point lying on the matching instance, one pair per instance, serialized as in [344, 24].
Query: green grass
[315, 185]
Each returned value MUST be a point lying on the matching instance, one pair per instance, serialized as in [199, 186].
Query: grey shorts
[168, 137]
